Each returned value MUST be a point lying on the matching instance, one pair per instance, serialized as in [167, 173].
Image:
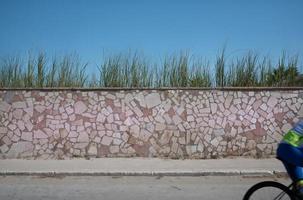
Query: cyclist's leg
[295, 172]
[292, 159]
[290, 154]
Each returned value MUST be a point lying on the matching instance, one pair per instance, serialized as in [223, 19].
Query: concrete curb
[257, 173]
[142, 167]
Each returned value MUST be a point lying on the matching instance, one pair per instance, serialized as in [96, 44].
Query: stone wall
[63, 124]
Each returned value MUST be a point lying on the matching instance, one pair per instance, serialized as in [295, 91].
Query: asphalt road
[126, 188]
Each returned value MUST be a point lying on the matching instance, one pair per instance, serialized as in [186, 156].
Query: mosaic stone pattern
[146, 123]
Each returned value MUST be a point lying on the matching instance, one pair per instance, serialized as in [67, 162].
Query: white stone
[28, 136]
[110, 119]
[160, 119]
[29, 125]
[190, 118]
[21, 125]
[20, 147]
[140, 98]
[12, 127]
[92, 150]
[205, 110]
[160, 127]
[6, 140]
[117, 141]
[233, 132]
[263, 107]
[106, 140]
[232, 117]
[215, 142]
[212, 123]
[219, 132]
[128, 122]
[19, 104]
[80, 107]
[83, 137]
[286, 127]
[152, 100]
[213, 107]
[176, 119]
[251, 94]
[40, 134]
[145, 135]
[63, 132]
[138, 112]
[272, 102]
[3, 130]
[100, 118]
[69, 110]
[29, 111]
[4, 148]
[73, 134]
[114, 149]
[80, 145]
[48, 131]
[180, 110]
[165, 137]
[39, 108]
[5, 107]
[261, 146]
[300, 112]
[18, 113]
[105, 112]
[228, 101]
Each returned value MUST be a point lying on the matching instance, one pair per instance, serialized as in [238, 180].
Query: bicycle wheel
[269, 190]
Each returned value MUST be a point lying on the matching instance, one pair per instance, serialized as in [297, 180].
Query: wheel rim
[269, 193]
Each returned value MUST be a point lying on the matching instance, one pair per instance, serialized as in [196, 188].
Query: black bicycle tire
[263, 184]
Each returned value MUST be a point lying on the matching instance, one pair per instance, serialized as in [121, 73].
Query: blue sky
[156, 27]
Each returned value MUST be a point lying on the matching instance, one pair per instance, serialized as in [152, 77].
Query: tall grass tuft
[11, 72]
[265, 70]
[220, 69]
[29, 76]
[41, 61]
[175, 71]
[243, 71]
[125, 70]
[285, 73]
[200, 74]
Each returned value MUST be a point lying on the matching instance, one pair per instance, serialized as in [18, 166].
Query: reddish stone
[279, 116]
[183, 116]
[146, 112]
[132, 140]
[48, 112]
[171, 112]
[259, 132]
[290, 121]
[18, 97]
[40, 125]
[141, 150]
[227, 128]
[110, 103]
[250, 135]
[38, 97]
[117, 109]
[122, 116]
[103, 151]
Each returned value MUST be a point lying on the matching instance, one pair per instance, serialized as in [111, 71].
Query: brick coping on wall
[156, 89]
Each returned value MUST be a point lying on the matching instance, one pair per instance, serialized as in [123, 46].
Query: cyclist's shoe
[299, 196]
[299, 189]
